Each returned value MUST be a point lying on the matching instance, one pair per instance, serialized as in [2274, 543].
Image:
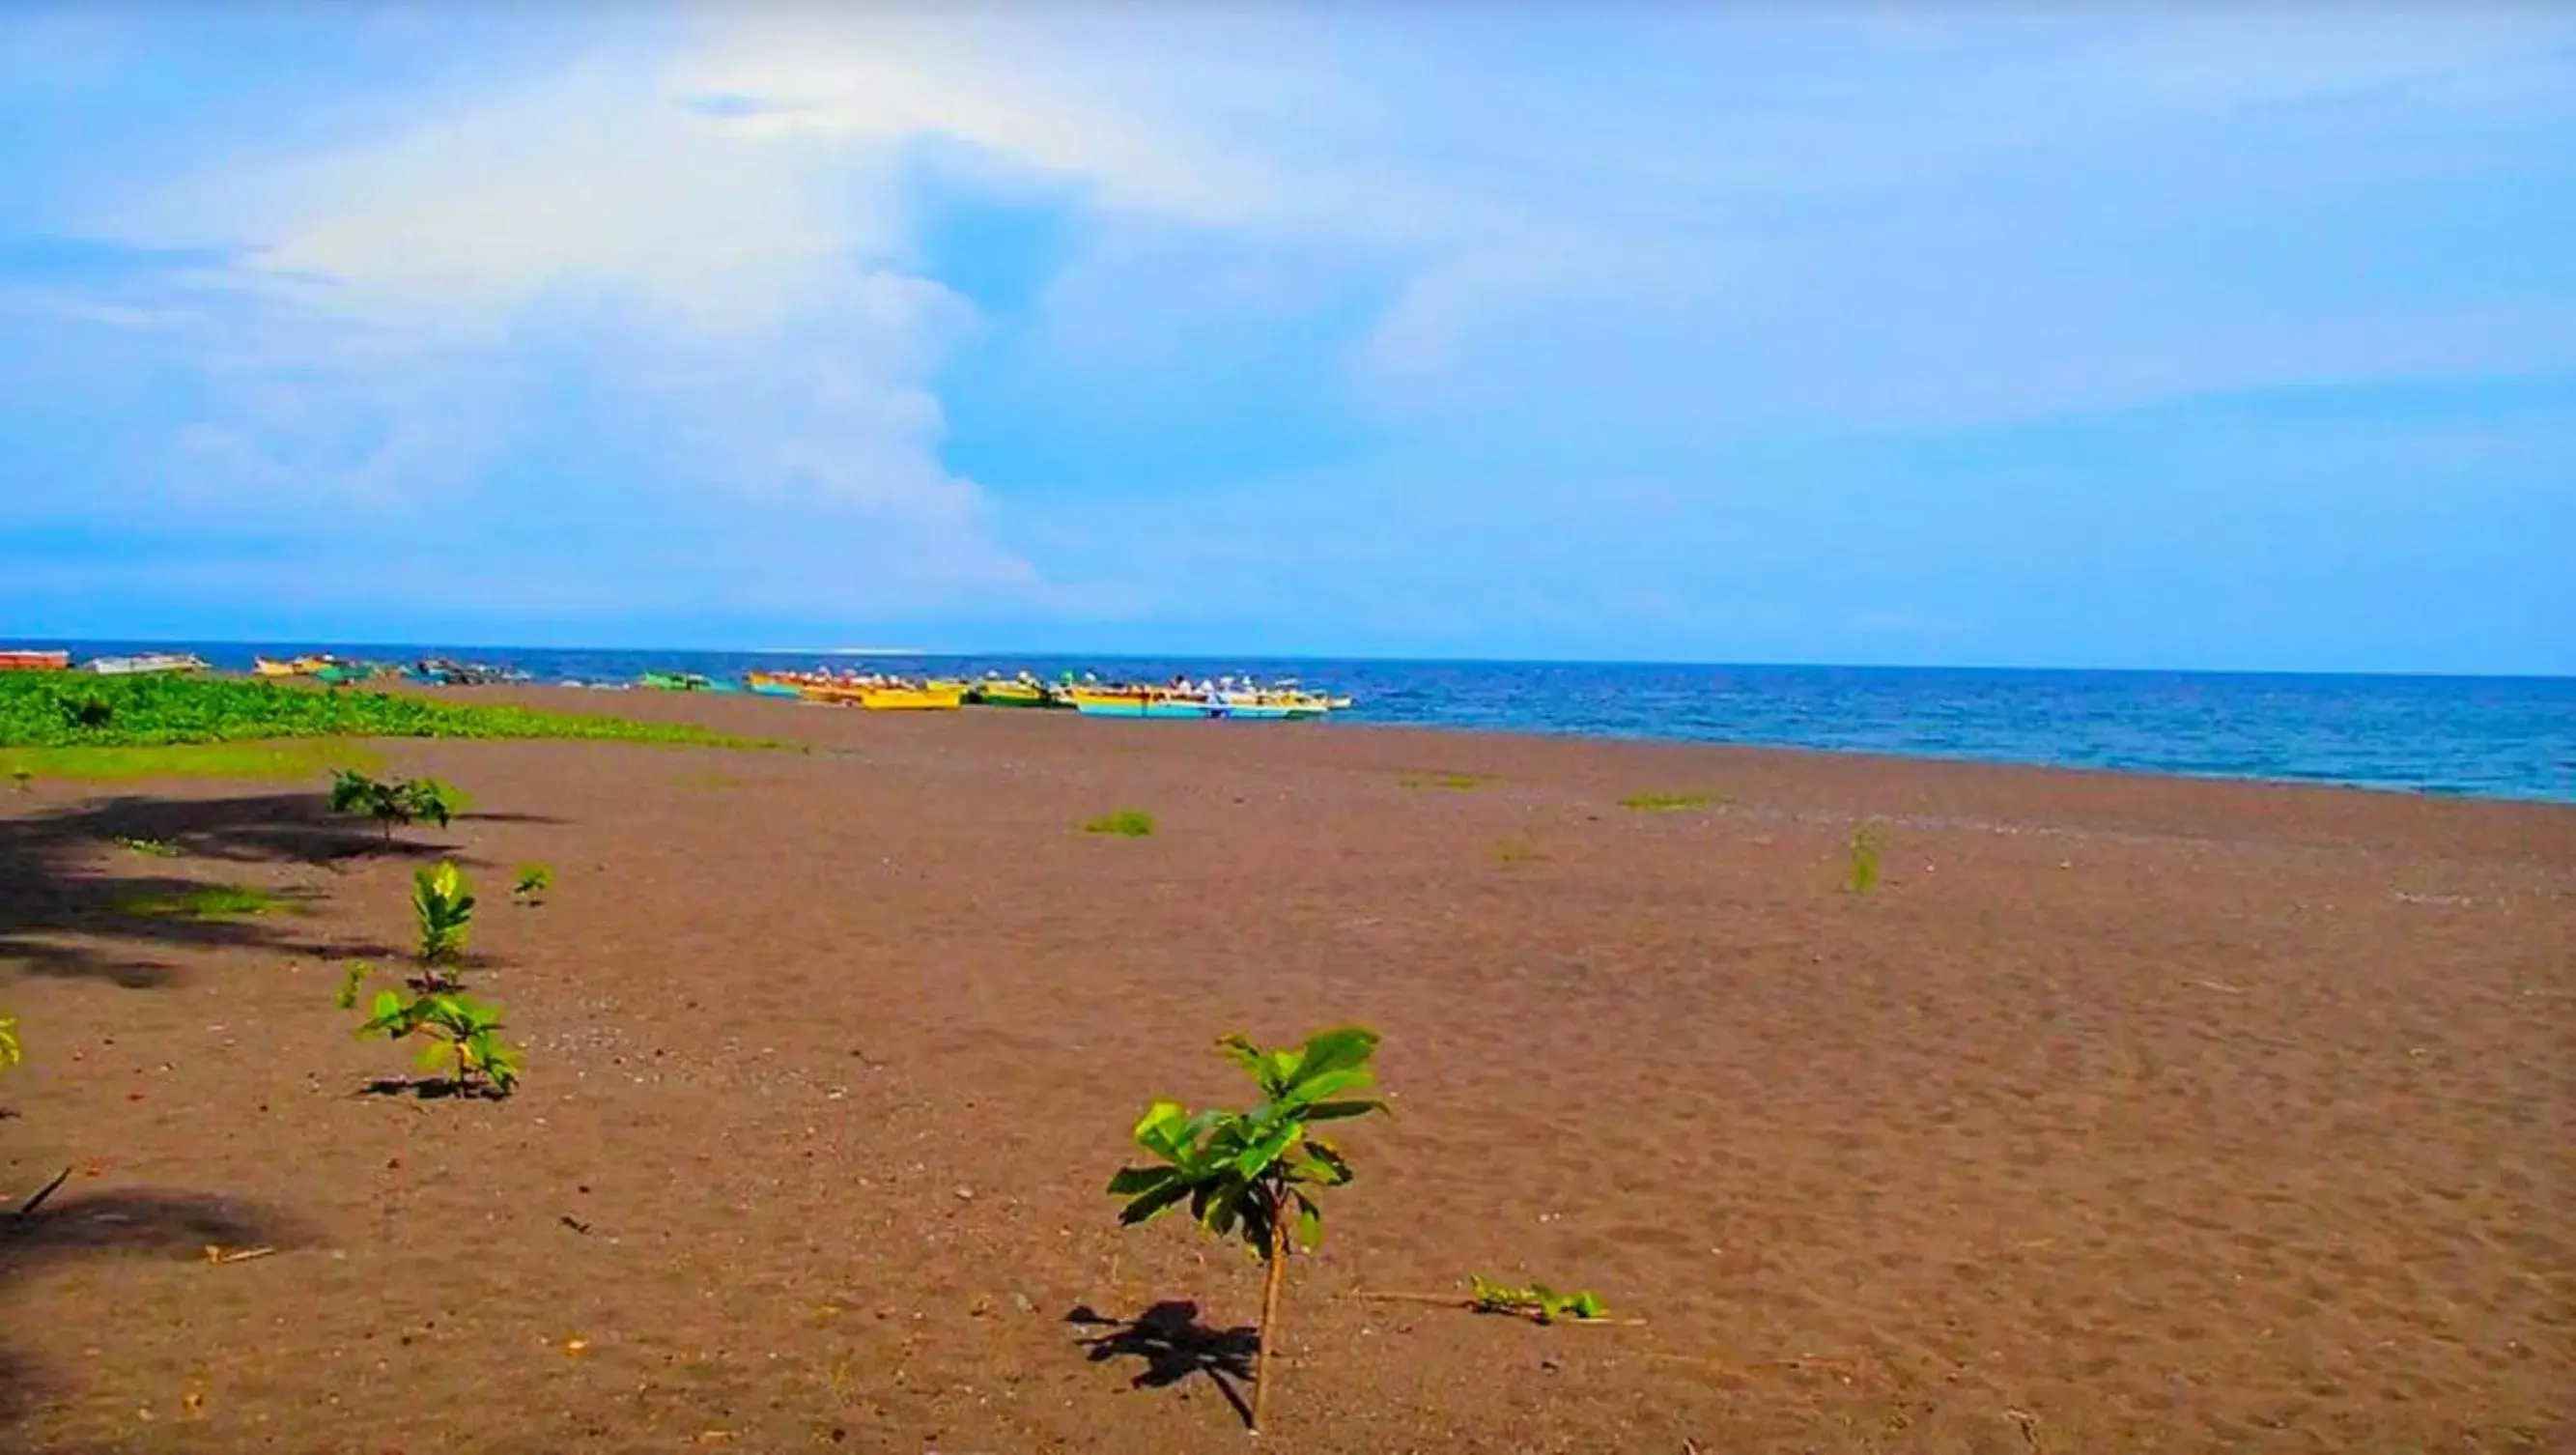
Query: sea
[2486, 737]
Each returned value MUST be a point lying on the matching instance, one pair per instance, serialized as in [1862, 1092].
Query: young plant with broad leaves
[393, 802]
[462, 1035]
[442, 906]
[1252, 1175]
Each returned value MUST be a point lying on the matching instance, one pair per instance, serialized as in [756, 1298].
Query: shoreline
[2486, 738]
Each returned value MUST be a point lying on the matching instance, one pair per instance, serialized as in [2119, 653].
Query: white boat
[148, 662]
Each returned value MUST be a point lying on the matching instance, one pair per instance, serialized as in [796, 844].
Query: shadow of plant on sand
[130, 1222]
[1174, 1345]
[72, 872]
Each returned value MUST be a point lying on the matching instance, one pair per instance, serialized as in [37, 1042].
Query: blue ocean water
[2495, 737]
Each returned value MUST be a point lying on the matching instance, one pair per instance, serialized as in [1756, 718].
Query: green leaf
[1336, 1050]
[1310, 1221]
[1239, 1049]
[1154, 1202]
[1130, 1181]
[1323, 1164]
[1223, 1210]
[1327, 1111]
[1164, 1130]
[1331, 1083]
[1255, 1159]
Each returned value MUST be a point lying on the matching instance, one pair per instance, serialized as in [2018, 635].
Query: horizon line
[255, 643]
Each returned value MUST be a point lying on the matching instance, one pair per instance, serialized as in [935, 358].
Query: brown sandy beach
[2127, 1114]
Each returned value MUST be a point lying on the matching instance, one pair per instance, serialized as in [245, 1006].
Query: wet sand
[2126, 1114]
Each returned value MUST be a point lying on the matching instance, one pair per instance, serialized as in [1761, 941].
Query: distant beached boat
[146, 664]
[33, 661]
[1134, 702]
[1015, 692]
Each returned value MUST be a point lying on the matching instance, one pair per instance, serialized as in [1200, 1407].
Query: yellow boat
[932, 697]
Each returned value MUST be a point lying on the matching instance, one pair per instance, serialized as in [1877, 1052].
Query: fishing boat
[1137, 702]
[684, 682]
[448, 672]
[305, 666]
[15, 660]
[146, 664]
[1021, 691]
[926, 697]
[875, 691]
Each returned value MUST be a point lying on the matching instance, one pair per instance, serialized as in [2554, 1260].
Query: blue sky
[2111, 336]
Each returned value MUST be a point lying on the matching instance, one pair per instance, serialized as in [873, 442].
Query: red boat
[12, 661]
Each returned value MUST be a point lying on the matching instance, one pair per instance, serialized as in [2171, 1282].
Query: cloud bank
[1600, 333]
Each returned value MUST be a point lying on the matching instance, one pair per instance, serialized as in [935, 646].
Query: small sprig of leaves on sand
[1861, 860]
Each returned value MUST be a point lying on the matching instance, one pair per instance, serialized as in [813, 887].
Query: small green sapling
[442, 904]
[533, 882]
[1860, 868]
[463, 1035]
[395, 801]
[1246, 1174]
[11, 1052]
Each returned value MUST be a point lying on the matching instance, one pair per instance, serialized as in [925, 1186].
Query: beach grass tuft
[1516, 850]
[153, 848]
[1861, 860]
[202, 902]
[1672, 802]
[1455, 782]
[290, 758]
[1127, 823]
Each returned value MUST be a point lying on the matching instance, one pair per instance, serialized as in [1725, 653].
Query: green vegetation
[1457, 782]
[442, 908]
[11, 1051]
[154, 848]
[293, 759]
[1670, 802]
[394, 801]
[1535, 1301]
[201, 902]
[1130, 823]
[40, 710]
[533, 882]
[1246, 1173]
[463, 1035]
[1860, 866]
[1508, 852]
